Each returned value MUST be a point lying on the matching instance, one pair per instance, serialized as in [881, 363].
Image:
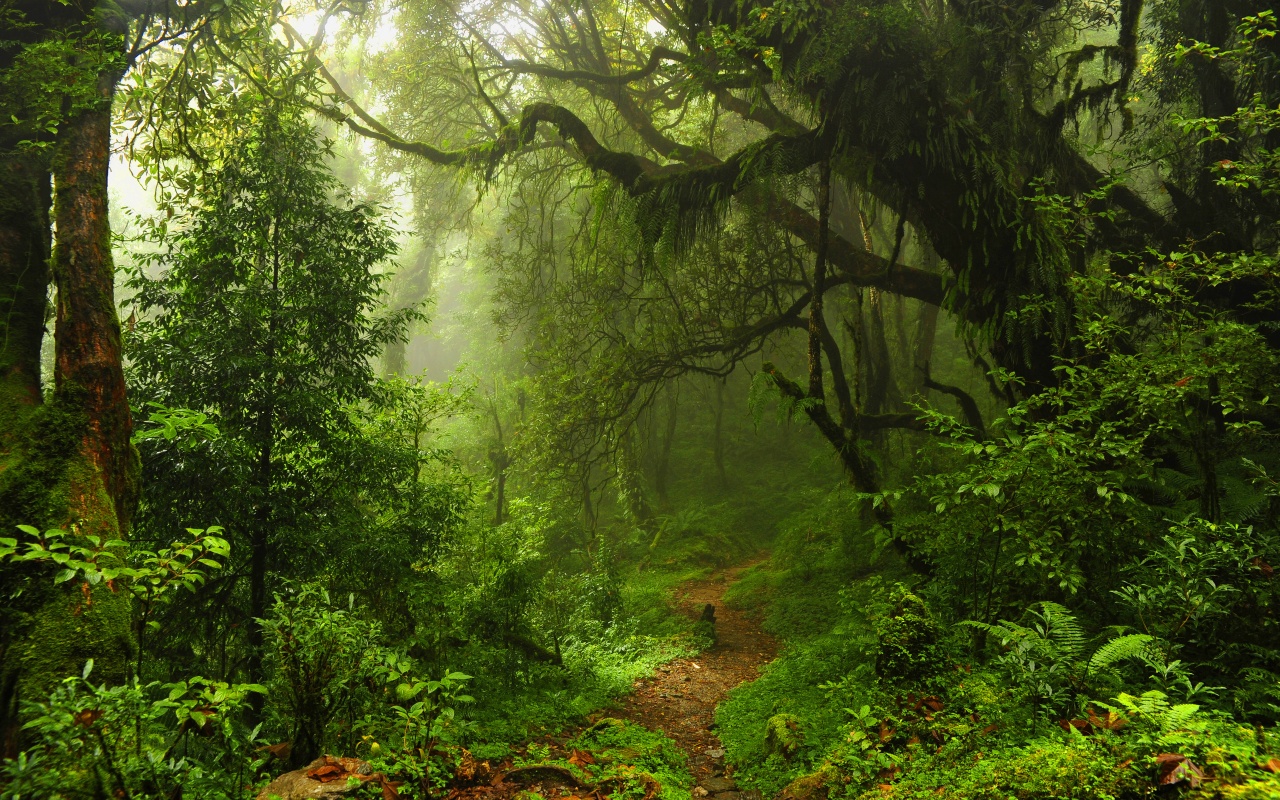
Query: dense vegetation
[416, 352]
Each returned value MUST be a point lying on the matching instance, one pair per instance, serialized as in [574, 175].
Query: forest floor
[679, 701]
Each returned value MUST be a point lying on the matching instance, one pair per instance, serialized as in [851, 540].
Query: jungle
[639, 399]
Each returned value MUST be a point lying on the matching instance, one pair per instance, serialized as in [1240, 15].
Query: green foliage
[639, 762]
[150, 577]
[321, 656]
[147, 741]
[409, 745]
[907, 641]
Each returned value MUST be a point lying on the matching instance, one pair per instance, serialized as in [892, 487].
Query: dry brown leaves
[1175, 768]
[341, 768]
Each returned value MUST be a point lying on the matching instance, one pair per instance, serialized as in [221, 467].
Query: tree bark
[662, 470]
[717, 444]
[70, 463]
[87, 340]
[25, 198]
[24, 279]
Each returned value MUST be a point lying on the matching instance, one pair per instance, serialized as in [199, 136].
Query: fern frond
[1062, 629]
[1119, 649]
[1179, 715]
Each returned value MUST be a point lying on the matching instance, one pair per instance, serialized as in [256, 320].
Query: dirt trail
[680, 700]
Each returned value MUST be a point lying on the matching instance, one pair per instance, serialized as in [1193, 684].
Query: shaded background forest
[373, 372]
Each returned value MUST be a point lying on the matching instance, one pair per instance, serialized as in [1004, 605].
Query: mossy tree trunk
[68, 463]
[87, 337]
[24, 280]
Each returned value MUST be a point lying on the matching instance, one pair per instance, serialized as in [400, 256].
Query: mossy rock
[783, 735]
[705, 631]
[814, 786]
[908, 637]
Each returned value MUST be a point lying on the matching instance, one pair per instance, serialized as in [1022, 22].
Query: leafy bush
[145, 741]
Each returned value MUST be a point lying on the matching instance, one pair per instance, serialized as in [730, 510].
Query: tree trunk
[87, 337]
[926, 333]
[662, 471]
[24, 278]
[24, 282]
[260, 543]
[717, 446]
[69, 464]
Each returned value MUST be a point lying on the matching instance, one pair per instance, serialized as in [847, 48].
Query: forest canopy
[814, 398]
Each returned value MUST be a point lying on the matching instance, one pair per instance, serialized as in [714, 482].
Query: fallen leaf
[886, 733]
[580, 758]
[1272, 765]
[389, 789]
[1081, 725]
[1175, 768]
[324, 774]
[281, 751]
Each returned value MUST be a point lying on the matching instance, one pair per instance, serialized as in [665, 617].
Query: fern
[1178, 716]
[1061, 630]
[1119, 649]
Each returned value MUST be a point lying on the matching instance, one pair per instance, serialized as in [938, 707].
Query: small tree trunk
[662, 471]
[926, 334]
[718, 443]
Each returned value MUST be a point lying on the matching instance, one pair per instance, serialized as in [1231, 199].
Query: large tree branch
[968, 406]
[659, 55]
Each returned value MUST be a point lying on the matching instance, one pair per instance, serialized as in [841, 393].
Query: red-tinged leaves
[1111, 722]
[1272, 766]
[1183, 382]
[326, 773]
[1081, 725]
[992, 728]
[1175, 768]
[87, 717]
[389, 787]
[581, 758]
[886, 733]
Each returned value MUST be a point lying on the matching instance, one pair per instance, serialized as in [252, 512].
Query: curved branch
[659, 54]
[968, 406]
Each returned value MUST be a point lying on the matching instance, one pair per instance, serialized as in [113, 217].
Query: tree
[263, 313]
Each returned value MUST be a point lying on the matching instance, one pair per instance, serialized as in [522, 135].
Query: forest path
[680, 699]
